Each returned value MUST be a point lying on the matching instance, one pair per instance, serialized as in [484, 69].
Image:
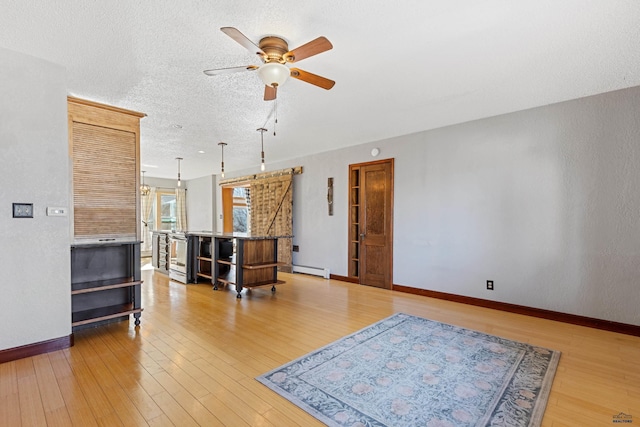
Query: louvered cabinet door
[104, 182]
[104, 144]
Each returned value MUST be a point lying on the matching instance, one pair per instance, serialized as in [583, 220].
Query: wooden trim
[81, 101]
[227, 210]
[35, 349]
[344, 278]
[605, 325]
[247, 178]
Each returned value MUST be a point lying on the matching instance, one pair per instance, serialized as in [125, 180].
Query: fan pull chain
[276, 118]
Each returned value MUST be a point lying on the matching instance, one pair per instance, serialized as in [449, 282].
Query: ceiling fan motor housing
[275, 48]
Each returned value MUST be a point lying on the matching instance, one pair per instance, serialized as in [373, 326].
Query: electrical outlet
[296, 248]
[490, 285]
[23, 210]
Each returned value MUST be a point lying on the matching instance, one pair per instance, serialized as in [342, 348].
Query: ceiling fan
[274, 53]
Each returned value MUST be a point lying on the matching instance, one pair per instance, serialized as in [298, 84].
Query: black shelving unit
[105, 283]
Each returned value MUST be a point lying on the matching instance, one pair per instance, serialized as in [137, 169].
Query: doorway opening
[236, 209]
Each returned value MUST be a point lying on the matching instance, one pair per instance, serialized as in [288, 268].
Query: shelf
[227, 276]
[258, 266]
[225, 281]
[202, 258]
[102, 285]
[355, 214]
[264, 283]
[206, 276]
[228, 261]
[103, 313]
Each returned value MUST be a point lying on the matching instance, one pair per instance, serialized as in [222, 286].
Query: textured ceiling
[400, 69]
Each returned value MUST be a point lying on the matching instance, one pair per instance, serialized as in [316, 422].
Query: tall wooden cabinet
[104, 146]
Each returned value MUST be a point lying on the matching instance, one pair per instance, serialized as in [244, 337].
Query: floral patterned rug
[409, 371]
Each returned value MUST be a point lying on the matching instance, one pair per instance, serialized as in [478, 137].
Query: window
[165, 211]
[240, 210]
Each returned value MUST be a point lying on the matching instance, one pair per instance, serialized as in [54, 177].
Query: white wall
[35, 305]
[543, 201]
[200, 206]
[200, 199]
[162, 183]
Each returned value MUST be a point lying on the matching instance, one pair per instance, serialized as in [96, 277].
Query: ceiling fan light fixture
[274, 74]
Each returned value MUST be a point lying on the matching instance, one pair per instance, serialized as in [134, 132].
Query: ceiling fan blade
[229, 70]
[235, 34]
[314, 47]
[314, 79]
[270, 93]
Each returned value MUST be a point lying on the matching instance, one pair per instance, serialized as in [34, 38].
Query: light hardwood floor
[194, 358]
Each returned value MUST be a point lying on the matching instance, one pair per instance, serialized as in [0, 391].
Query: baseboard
[606, 325]
[344, 278]
[314, 271]
[36, 348]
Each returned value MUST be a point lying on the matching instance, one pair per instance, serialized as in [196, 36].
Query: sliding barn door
[272, 213]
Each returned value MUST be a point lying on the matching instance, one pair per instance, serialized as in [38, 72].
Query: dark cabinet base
[105, 283]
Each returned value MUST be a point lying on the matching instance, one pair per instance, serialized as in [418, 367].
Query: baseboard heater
[315, 271]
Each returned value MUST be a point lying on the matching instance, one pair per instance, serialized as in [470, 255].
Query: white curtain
[181, 209]
[147, 205]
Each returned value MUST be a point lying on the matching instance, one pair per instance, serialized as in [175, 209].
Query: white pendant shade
[274, 74]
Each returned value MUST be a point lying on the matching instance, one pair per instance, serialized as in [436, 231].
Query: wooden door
[375, 224]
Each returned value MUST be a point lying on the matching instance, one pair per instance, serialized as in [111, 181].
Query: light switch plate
[53, 211]
[23, 210]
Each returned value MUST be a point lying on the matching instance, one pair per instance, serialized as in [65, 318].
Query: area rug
[409, 371]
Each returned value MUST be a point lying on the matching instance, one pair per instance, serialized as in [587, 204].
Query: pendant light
[262, 131]
[222, 144]
[144, 188]
[179, 181]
